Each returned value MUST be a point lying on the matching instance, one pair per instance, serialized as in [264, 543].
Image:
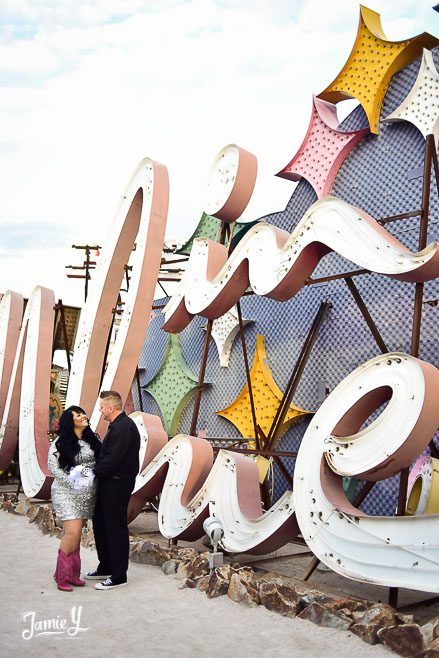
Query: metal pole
[366, 315]
[56, 309]
[139, 390]
[87, 268]
[107, 347]
[283, 470]
[200, 384]
[297, 374]
[423, 230]
[247, 373]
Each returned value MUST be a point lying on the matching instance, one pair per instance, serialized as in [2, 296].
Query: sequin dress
[67, 504]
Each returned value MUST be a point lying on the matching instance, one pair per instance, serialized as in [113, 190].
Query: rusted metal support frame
[87, 271]
[366, 315]
[334, 277]
[283, 469]
[435, 165]
[247, 373]
[107, 346]
[296, 374]
[164, 291]
[403, 215]
[262, 451]
[264, 489]
[423, 230]
[171, 262]
[139, 389]
[200, 385]
[312, 566]
[276, 456]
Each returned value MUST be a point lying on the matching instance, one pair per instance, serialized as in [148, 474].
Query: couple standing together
[107, 472]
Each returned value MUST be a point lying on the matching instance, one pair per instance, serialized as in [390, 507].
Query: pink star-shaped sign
[323, 150]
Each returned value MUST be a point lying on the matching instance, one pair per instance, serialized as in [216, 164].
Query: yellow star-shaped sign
[372, 63]
[267, 397]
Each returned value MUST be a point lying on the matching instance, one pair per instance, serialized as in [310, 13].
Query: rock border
[372, 622]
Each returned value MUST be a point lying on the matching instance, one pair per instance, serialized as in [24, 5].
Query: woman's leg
[72, 535]
[75, 559]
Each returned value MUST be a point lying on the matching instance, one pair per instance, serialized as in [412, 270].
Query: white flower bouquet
[81, 478]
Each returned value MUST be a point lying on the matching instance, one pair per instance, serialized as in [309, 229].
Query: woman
[76, 445]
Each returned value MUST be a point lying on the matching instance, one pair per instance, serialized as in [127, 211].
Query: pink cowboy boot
[62, 572]
[75, 572]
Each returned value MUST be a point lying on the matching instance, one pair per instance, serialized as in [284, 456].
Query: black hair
[67, 443]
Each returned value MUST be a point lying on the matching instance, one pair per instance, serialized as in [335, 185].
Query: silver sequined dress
[67, 504]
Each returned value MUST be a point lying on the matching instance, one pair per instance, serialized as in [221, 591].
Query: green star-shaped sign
[173, 386]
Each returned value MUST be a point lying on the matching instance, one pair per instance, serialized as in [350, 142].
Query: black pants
[110, 527]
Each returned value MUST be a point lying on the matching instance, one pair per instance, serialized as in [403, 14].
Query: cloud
[91, 88]
[20, 237]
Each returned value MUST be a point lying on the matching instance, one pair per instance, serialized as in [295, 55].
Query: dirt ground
[150, 617]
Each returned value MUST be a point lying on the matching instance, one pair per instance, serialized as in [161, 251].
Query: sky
[88, 89]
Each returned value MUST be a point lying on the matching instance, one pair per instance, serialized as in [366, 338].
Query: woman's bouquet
[81, 478]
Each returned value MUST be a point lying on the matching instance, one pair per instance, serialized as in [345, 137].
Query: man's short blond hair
[112, 397]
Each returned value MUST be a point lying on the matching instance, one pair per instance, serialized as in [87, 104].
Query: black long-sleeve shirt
[119, 454]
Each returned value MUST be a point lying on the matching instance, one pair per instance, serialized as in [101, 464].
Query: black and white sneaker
[94, 575]
[108, 584]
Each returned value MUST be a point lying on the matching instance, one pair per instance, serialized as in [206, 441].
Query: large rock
[8, 503]
[33, 512]
[320, 615]
[153, 554]
[272, 577]
[380, 614]
[406, 640]
[427, 631]
[367, 632]
[203, 583]
[187, 582]
[280, 598]
[349, 604]
[313, 596]
[219, 581]
[23, 506]
[243, 590]
[404, 619]
[432, 650]
[369, 622]
[47, 521]
[170, 567]
[134, 547]
[194, 568]
[183, 553]
[39, 516]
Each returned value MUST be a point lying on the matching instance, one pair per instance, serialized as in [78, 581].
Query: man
[115, 470]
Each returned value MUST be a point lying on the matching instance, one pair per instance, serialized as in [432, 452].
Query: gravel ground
[149, 617]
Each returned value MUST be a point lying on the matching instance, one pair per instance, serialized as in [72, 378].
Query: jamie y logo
[54, 626]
